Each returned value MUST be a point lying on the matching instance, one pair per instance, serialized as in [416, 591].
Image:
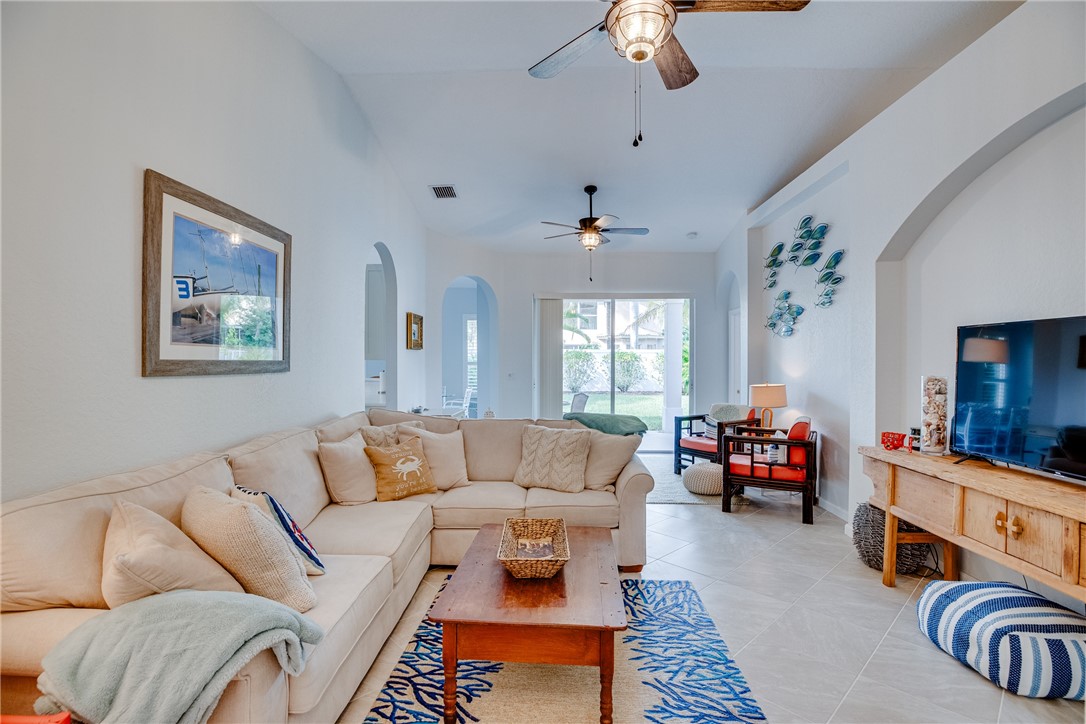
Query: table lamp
[767, 396]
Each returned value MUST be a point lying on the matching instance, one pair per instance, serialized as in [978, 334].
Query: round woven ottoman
[704, 479]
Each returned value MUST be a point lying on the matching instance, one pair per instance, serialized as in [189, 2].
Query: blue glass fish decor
[784, 316]
[805, 250]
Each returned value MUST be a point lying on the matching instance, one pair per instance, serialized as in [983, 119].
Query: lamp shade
[768, 395]
[982, 349]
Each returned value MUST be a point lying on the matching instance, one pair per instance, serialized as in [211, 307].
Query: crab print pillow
[401, 470]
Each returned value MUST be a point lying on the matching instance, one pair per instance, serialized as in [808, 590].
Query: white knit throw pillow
[247, 543]
[553, 458]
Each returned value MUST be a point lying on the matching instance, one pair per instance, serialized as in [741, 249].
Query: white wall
[518, 278]
[219, 97]
[813, 362]
[895, 175]
[1011, 246]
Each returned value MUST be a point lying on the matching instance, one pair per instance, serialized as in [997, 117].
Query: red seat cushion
[705, 444]
[740, 465]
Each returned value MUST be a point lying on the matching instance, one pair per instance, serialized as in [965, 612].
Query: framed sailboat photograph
[216, 286]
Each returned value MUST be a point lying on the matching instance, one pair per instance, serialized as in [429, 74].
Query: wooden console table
[1029, 523]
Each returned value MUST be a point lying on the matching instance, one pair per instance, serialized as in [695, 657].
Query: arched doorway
[469, 319]
[381, 329]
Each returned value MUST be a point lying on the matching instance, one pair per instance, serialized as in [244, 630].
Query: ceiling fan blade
[604, 220]
[635, 232]
[557, 61]
[738, 6]
[555, 223]
[556, 236]
[675, 66]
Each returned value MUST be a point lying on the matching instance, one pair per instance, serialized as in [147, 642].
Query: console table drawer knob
[1000, 522]
[1016, 528]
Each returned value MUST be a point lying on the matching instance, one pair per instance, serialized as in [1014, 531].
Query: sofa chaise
[375, 553]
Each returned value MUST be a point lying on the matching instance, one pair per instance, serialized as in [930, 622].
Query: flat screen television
[1020, 394]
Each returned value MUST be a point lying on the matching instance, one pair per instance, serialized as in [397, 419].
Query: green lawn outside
[648, 406]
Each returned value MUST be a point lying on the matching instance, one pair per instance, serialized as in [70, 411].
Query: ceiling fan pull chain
[637, 105]
[589, 266]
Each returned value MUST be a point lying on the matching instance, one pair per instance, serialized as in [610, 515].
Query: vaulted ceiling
[445, 90]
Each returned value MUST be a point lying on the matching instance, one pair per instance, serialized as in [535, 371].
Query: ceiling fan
[590, 230]
[641, 30]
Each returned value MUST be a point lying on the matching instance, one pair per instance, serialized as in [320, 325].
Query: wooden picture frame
[414, 331]
[216, 286]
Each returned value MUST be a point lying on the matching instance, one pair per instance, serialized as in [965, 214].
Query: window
[471, 352]
[586, 318]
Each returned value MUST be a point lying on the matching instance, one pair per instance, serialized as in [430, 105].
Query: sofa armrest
[634, 481]
[631, 488]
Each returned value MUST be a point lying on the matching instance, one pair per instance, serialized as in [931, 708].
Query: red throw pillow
[800, 430]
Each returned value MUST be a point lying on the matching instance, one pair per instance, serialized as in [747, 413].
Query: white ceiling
[445, 88]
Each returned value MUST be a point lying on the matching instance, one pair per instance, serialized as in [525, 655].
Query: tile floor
[818, 636]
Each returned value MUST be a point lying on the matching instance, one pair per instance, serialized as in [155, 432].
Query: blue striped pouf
[1018, 639]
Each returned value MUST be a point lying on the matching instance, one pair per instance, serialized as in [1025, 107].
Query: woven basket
[868, 533]
[534, 532]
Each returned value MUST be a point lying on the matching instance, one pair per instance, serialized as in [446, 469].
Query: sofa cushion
[147, 554]
[341, 428]
[478, 504]
[394, 529]
[588, 507]
[386, 435]
[348, 472]
[250, 545]
[553, 459]
[402, 470]
[432, 423]
[284, 464]
[444, 454]
[607, 456]
[27, 636]
[52, 543]
[350, 596]
[492, 447]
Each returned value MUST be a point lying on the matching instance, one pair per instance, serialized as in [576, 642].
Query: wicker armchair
[759, 460]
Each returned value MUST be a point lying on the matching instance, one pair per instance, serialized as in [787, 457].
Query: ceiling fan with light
[591, 229]
[642, 30]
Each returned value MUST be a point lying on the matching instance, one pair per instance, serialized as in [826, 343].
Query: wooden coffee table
[570, 619]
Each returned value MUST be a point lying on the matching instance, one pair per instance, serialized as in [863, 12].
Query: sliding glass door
[626, 356]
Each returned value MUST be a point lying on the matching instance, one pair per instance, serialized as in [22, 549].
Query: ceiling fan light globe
[638, 28]
[590, 239]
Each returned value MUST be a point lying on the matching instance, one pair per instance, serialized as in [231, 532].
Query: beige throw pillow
[444, 454]
[385, 435]
[401, 470]
[348, 472]
[147, 554]
[607, 456]
[250, 545]
[553, 458]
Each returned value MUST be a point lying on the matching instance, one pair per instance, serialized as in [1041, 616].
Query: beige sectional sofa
[375, 553]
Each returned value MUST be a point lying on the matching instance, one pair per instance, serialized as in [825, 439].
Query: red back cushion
[800, 430]
[750, 415]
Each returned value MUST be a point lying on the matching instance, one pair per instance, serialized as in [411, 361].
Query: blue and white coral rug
[670, 666]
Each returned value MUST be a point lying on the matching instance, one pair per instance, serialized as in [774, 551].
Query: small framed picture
[414, 331]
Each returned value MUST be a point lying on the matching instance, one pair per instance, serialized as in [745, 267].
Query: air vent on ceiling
[444, 192]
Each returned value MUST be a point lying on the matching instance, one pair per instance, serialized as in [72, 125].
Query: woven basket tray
[534, 547]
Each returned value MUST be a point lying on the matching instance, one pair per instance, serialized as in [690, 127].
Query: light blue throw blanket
[168, 657]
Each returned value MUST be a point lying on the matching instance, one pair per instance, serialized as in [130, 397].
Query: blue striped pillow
[1016, 638]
